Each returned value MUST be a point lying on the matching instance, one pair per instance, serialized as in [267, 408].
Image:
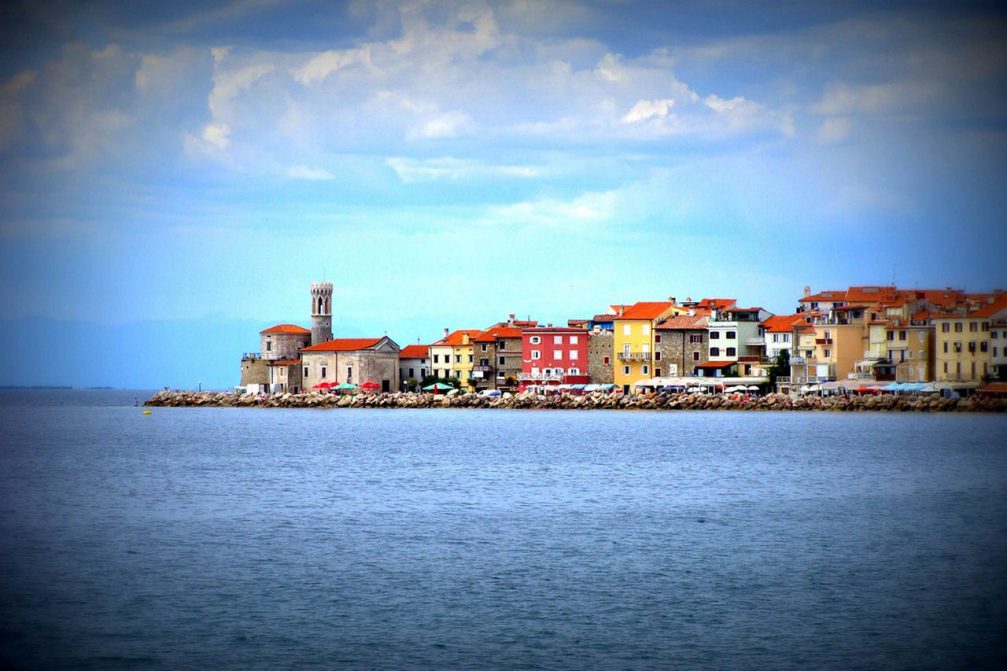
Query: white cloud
[449, 125]
[321, 66]
[649, 109]
[411, 170]
[309, 172]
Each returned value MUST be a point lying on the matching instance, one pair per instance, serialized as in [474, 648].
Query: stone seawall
[597, 401]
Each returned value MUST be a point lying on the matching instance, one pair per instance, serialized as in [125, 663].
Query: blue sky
[448, 163]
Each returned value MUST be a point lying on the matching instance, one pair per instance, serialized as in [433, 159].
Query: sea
[226, 538]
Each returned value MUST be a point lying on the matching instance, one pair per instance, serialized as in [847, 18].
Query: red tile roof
[287, 328]
[782, 323]
[718, 303]
[343, 345]
[645, 310]
[283, 362]
[685, 322]
[415, 352]
[992, 309]
[455, 337]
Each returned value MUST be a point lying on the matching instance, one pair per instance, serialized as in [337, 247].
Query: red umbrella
[370, 385]
[322, 385]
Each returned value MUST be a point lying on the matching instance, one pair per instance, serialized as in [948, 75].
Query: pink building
[554, 355]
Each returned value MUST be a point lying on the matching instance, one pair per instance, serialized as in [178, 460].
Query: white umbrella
[752, 387]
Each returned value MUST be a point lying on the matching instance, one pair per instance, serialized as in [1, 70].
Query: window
[714, 351]
[573, 354]
[828, 335]
[574, 340]
[626, 329]
[470, 358]
[983, 346]
[731, 335]
[891, 336]
[645, 369]
[305, 371]
[323, 372]
[646, 329]
[958, 327]
[412, 372]
[349, 373]
[986, 326]
[484, 346]
[714, 335]
[910, 353]
[536, 355]
[945, 328]
[605, 360]
[731, 351]
[696, 338]
[958, 348]
[786, 337]
[502, 360]
[535, 340]
[625, 370]
[557, 340]
[458, 358]
[657, 372]
[695, 356]
[573, 371]
[902, 335]
[657, 339]
[776, 337]
[945, 346]
[269, 345]
[827, 353]
[657, 356]
[557, 355]
[973, 327]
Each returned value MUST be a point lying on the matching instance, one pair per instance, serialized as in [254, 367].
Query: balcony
[250, 356]
[755, 342]
[823, 341]
[539, 377]
[634, 356]
[482, 369]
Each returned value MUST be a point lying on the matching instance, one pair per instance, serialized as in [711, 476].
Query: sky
[175, 174]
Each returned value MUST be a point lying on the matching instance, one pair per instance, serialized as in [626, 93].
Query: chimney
[510, 318]
[672, 300]
[446, 331]
[807, 291]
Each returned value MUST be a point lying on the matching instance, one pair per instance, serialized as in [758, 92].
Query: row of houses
[854, 336]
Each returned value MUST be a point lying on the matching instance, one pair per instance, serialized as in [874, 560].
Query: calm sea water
[440, 539]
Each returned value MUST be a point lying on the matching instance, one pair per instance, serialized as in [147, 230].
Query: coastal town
[857, 340]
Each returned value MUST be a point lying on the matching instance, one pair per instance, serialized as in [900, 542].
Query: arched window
[319, 310]
[327, 308]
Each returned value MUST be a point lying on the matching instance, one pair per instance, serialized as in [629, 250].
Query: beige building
[964, 344]
[283, 341]
[352, 360]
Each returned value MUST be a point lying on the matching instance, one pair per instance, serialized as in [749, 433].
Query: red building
[554, 355]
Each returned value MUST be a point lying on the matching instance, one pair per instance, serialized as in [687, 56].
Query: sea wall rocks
[596, 401]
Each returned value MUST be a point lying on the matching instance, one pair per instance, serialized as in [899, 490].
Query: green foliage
[780, 368]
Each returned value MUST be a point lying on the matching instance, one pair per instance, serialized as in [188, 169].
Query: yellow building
[962, 352]
[451, 356]
[633, 340]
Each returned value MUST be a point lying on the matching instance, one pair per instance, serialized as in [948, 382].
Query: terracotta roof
[716, 364]
[718, 303]
[287, 328]
[343, 345]
[782, 323]
[455, 337]
[501, 332]
[685, 322]
[283, 362]
[414, 352]
[823, 296]
[991, 309]
[645, 310]
[603, 318]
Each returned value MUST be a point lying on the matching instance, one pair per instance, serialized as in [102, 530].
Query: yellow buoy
[147, 412]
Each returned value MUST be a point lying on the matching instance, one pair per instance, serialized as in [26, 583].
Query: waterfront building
[451, 356]
[321, 312]
[554, 355]
[633, 340]
[285, 376]
[283, 341]
[681, 343]
[777, 334]
[734, 335]
[497, 352]
[352, 360]
[414, 364]
[964, 343]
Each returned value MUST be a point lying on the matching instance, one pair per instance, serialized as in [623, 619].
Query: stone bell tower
[321, 312]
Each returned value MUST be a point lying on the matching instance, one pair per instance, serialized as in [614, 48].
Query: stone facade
[321, 312]
[353, 360]
[285, 377]
[683, 345]
[600, 357]
[275, 345]
[254, 370]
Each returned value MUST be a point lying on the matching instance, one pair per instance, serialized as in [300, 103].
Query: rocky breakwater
[596, 401]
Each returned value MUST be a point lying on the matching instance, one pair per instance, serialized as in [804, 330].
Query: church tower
[321, 312]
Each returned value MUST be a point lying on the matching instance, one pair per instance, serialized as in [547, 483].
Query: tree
[779, 369]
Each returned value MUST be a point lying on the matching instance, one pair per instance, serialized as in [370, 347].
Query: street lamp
[200, 385]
